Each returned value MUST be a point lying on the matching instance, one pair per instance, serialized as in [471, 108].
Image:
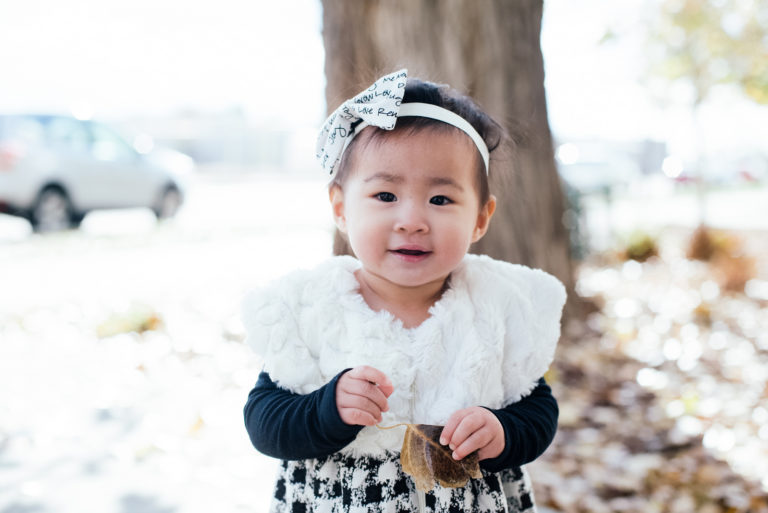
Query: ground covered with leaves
[662, 386]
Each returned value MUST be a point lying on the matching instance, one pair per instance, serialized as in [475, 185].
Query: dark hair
[420, 91]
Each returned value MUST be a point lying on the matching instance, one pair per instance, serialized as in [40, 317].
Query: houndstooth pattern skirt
[341, 484]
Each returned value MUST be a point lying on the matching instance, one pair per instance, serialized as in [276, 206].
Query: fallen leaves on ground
[663, 402]
[138, 319]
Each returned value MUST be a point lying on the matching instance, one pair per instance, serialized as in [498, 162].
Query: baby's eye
[387, 197]
[440, 200]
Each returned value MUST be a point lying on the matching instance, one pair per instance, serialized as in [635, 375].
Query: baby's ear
[484, 218]
[336, 196]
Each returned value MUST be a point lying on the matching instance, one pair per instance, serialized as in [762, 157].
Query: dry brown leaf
[428, 462]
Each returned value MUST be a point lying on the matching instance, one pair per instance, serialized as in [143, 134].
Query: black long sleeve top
[292, 426]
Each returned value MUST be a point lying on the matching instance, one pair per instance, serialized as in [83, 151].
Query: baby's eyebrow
[385, 177]
[442, 180]
[398, 179]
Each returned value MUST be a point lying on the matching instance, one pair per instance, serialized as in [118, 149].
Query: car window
[109, 146]
[22, 129]
[68, 134]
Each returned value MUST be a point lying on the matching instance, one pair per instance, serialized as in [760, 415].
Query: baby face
[410, 208]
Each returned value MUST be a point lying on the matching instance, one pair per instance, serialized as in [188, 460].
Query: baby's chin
[404, 277]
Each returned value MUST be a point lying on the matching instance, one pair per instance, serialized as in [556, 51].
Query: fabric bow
[378, 106]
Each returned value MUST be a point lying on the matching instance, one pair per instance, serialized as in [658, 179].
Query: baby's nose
[412, 219]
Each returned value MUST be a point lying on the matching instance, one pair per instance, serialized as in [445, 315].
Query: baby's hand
[361, 395]
[471, 429]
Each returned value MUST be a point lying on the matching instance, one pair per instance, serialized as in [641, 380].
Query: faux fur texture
[489, 338]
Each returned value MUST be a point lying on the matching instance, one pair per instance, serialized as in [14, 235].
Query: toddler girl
[412, 330]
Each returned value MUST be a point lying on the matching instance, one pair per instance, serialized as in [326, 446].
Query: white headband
[380, 105]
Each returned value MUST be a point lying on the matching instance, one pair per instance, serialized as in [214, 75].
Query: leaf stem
[392, 426]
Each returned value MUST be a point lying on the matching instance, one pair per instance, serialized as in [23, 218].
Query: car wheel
[76, 219]
[52, 211]
[169, 203]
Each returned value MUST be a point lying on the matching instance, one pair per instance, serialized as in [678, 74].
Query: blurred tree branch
[704, 44]
[711, 42]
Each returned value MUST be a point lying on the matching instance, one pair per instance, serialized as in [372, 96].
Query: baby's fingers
[374, 376]
[479, 430]
[477, 440]
[450, 427]
[353, 416]
[365, 390]
[470, 422]
[363, 404]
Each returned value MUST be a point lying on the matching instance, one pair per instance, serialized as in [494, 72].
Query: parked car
[596, 167]
[725, 168]
[55, 169]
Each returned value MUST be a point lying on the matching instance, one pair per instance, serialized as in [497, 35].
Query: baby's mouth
[411, 252]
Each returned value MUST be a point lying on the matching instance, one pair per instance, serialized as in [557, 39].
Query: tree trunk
[489, 49]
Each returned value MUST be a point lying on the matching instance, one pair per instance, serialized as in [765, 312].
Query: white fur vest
[487, 341]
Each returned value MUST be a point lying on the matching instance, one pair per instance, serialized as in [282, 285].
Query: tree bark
[489, 49]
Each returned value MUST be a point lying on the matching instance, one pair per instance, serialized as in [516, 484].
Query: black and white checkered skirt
[341, 484]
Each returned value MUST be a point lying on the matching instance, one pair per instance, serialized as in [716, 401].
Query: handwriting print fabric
[378, 106]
